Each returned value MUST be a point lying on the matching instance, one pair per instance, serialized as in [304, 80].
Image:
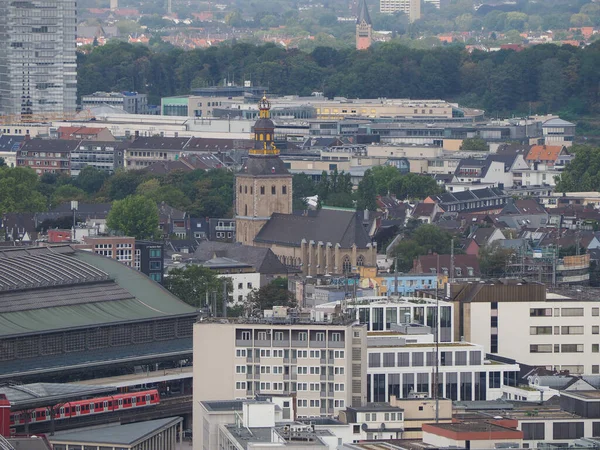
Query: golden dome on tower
[264, 130]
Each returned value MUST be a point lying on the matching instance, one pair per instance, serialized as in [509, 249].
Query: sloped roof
[259, 165]
[523, 207]
[363, 12]
[159, 143]
[429, 263]
[423, 209]
[87, 131]
[544, 152]
[10, 143]
[557, 122]
[326, 225]
[482, 235]
[262, 259]
[50, 145]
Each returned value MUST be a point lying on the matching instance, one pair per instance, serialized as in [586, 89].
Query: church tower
[364, 27]
[264, 185]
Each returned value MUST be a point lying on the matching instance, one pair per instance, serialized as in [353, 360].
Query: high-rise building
[38, 69]
[364, 28]
[412, 8]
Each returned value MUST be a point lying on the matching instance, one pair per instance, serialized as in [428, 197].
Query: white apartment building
[322, 364]
[412, 8]
[403, 365]
[558, 330]
[38, 69]
[243, 284]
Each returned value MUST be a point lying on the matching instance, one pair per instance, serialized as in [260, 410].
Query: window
[302, 403]
[262, 190]
[338, 354]
[265, 369]
[273, 190]
[265, 353]
[595, 348]
[240, 385]
[389, 360]
[540, 312]
[338, 370]
[567, 430]
[263, 336]
[240, 352]
[571, 348]
[320, 336]
[303, 336]
[315, 370]
[571, 330]
[249, 285]
[335, 337]
[596, 369]
[338, 403]
[155, 265]
[279, 335]
[540, 348]
[533, 431]
[339, 387]
[347, 265]
[240, 369]
[240, 285]
[595, 312]
[374, 360]
[155, 253]
[572, 312]
[284, 190]
[315, 403]
[595, 329]
[245, 335]
[540, 330]
[302, 370]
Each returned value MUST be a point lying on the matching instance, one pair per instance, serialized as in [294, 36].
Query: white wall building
[243, 284]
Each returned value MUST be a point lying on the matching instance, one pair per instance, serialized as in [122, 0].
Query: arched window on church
[240, 188]
[245, 189]
[251, 190]
[360, 261]
[245, 210]
[268, 137]
[284, 190]
[262, 137]
[262, 190]
[347, 265]
[273, 190]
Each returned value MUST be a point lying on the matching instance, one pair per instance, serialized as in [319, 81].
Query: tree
[583, 172]
[195, 284]
[474, 144]
[275, 293]
[2, 162]
[367, 192]
[66, 193]
[493, 259]
[90, 179]
[135, 216]
[425, 239]
[19, 190]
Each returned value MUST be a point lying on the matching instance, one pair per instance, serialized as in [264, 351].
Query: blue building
[408, 284]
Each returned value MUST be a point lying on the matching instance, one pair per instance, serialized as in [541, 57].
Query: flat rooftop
[474, 426]
[584, 395]
[246, 436]
[44, 394]
[376, 407]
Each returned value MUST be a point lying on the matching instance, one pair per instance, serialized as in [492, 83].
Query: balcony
[323, 377]
[243, 342]
[283, 343]
[318, 344]
[249, 358]
[299, 344]
[337, 344]
[323, 360]
[286, 360]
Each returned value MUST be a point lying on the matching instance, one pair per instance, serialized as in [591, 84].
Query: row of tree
[540, 78]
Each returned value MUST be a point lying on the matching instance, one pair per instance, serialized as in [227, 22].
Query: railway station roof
[37, 395]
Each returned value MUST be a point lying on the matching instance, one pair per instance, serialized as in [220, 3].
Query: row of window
[561, 348]
[420, 359]
[567, 329]
[562, 312]
[300, 354]
[262, 190]
[387, 417]
[560, 430]
[279, 336]
[316, 387]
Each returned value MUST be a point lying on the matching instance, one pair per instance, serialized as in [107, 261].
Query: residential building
[408, 284]
[374, 421]
[457, 268]
[524, 213]
[412, 8]
[149, 259]
[221, 229]
[105, 156]
[144, 151]
[47, 155]
[44, 45]
[493, 433]
[244, 279]
[82, 133]
[474, 200]
[558, 329]
[419, 410]
[482, 237]
[9, 146]
[364, 27]
[322, 364]
[120, 248]
[172, 221]
[130, 102]
[546, 154]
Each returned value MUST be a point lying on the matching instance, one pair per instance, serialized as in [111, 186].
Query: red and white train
[98, 405]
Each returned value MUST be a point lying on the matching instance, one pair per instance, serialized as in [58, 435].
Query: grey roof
[88, 289]
[41, 394]
[258, 165]
[363, 12]
[223, 405]
[223, 262]
[557, 122]
[29, 443]
[325, 225]
[116, 434]
[50, 145]
[159, 143]
[10, 143]
[263, 260]
[376, 407]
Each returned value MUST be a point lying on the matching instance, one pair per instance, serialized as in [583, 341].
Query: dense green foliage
[275, 293]
[197, 285]
[423, 240]
[474, 144]
[20, 190]
[583, 173]
[543, 77]
[389, 180]
[135, 216]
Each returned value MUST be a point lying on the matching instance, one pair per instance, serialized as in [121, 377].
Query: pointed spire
[363, 12]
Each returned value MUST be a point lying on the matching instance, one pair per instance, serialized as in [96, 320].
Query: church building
[364, 27]
[326, 241]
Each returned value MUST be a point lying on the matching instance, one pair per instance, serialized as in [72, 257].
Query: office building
[149, 259]
[412, 8]
[38, 70]
[130, 102]
[322, 363]
[558, 329]
[120, 248]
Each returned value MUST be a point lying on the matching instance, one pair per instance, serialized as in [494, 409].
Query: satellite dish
[364, 427]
